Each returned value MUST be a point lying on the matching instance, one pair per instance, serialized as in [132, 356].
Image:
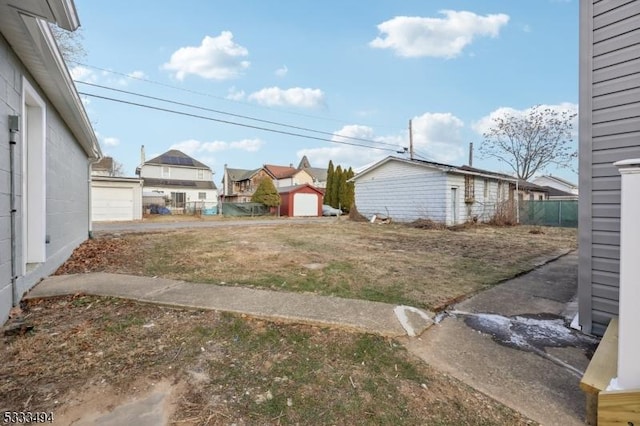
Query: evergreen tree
[348, 197]
[266, 193]
[335, 187]
[327, 190]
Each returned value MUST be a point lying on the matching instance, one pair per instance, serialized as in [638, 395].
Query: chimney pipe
[142, 159]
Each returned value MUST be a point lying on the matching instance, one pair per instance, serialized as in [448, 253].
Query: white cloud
[414, 36]
[217, 58]
[109, 141]
[296, 96]
[282, 71]
[235, 94]
[81, 73]
[349, 155]
[485, 123]
[195, 147]
[137, 74]
[438, 135]
[249, 145]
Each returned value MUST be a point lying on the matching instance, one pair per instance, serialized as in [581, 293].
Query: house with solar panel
[184, 183]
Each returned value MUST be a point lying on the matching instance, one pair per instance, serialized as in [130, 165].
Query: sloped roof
[280, 172]
[317, 173]
[188, 184]
[236, 175]
[464, 170]
[560, 180]
[523, 184]
[293, 188]
[174, 157]
[105, 163]
[553, 192]
[24, 27]
[304, 163]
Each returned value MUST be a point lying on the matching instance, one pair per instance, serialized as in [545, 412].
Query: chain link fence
[562, 213]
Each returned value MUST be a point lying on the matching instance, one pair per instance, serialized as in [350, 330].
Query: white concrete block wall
[10, 88]
[406, 197]
[67, 177]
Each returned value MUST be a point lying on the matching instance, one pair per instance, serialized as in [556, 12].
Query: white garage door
[111, 203]
[305, 204]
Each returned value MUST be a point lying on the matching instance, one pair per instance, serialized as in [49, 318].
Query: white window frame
[200, 174]
[166, 172]
[34, 176]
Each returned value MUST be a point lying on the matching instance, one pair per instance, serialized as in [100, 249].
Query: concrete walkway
[510, 342]
[358, 315]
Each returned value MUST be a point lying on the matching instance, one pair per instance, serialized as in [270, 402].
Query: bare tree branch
[530, 142]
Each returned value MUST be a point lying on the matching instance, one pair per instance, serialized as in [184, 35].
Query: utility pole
[470, 154]
[410, 141]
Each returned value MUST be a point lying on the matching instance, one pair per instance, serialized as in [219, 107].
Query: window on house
[540, 197]
[530, 197]
[178, 199]
[200, 174]
[202, 195]
[166, 172]
[469, 190]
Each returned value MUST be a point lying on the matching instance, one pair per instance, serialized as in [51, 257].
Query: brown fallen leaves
[100, 254]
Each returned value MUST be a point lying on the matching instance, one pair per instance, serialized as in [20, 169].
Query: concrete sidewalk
[511, 342]
[358, 315]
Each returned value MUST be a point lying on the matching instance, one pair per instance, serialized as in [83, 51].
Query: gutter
[14, 129]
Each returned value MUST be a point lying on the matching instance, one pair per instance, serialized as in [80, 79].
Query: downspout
[14, 129]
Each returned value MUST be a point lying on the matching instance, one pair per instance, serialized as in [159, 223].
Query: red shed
[300, 200]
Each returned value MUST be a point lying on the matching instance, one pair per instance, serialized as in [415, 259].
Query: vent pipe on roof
[142, 159]
[470, 154]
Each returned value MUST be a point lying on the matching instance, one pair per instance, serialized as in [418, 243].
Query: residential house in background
[528, 191]
[287, 176]
[609, 129]
[45, 130]
[318, 174]
[113, 197]
[557, 183]
[184, 182]
[238, 185]
[407, 190]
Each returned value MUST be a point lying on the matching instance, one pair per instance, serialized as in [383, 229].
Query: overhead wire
[306, 129]
[266, 129]
[195, 92]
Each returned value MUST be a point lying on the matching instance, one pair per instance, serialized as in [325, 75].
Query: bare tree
[118, 169]
[532, 141]
[69, 43]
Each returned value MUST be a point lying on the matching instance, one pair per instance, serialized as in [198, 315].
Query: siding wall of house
[609, 132]
[485, 201]
[407, 192]
[67, 187]
[190, 194]
[176, 173]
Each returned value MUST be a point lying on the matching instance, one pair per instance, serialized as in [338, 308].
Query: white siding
[403, 191]
[154, 171]
[191, 194]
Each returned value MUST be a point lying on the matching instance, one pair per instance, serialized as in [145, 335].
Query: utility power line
[195, 92]
[306, 129]
[202, 117]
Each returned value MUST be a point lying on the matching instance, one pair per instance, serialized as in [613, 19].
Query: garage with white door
[300, 201]
[115, 199]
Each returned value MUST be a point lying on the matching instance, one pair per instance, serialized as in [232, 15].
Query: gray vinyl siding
[67, 178]
[609, 132]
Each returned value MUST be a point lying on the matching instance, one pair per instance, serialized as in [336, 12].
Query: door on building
[454, 206]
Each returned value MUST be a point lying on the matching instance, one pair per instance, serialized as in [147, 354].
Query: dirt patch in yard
[390, 263]
[86, 355]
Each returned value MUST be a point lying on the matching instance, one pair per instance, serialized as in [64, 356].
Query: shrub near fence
[549, 213]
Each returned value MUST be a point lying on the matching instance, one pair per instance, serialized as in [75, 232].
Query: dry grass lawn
[388, 263]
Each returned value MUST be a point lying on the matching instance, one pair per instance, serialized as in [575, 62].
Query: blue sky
[337, 67]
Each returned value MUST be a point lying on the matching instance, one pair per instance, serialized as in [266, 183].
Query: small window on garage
[166, 172]
[202, 195]
[200, 174]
